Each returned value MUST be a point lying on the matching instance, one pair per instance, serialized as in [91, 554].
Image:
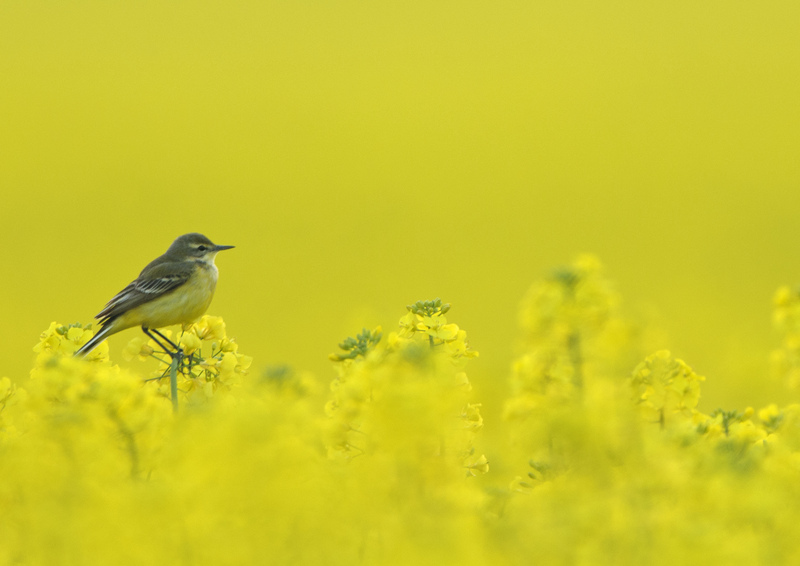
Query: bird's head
[195, 246]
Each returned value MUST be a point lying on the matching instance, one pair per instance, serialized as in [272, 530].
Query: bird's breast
[185, 304]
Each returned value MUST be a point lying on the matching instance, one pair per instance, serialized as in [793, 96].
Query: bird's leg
[175, 366]
[175, 353]
[170, 342]
[176, 350]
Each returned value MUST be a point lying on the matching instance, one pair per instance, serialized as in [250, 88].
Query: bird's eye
[201, 248]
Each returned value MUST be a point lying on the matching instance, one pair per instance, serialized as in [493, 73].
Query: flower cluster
[415, 378]
[665, 388]
[425, 320]
[358, 346]
[573, 334]
[85, 406]
[66, 339]
[211, 360]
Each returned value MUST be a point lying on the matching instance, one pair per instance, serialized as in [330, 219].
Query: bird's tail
[94, 341]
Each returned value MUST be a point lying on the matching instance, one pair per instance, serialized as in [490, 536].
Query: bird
[175, 288]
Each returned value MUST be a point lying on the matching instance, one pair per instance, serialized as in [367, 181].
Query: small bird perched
[175, 288]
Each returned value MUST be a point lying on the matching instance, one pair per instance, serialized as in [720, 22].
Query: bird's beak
[220, 248]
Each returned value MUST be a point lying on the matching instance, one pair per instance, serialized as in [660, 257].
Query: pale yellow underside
[185, 304]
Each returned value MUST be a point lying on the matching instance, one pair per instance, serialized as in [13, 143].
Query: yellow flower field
[597, 459]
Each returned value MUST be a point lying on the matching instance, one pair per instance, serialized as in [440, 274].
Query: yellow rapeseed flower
[665, 388]
[211, 328]
[190, 342]
[137, 348]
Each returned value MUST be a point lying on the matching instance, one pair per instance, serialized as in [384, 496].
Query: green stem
[173, 381]
[576, 358]
[130, 440]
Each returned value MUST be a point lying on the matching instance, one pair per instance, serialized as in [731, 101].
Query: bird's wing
[152, 283]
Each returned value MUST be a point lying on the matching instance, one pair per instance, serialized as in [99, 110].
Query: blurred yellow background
[364, 156]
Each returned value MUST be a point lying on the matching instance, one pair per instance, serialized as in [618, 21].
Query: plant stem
[173, 381]
[574, 345]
